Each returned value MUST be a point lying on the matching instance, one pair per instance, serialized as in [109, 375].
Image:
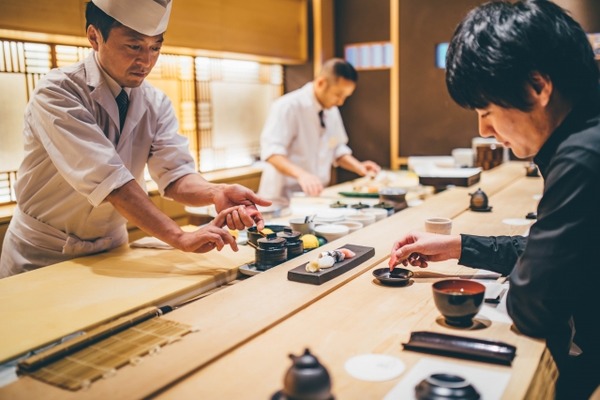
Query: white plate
[374, 367]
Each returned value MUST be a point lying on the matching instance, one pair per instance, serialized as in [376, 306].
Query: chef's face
[127, 56]
[333, 92]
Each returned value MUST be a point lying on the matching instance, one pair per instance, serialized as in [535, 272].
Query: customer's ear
[542, 87]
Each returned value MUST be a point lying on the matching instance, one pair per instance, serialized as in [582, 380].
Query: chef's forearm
[192, 190]
[133, 203]
[350, 163]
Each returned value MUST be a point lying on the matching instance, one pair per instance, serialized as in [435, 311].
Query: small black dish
[531, 215]
[398, 277]
[338, 204]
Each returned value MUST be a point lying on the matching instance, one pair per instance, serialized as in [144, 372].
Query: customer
[529, 72]
[82, 177]
[304, 136]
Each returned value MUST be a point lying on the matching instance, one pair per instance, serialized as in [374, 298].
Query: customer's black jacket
[555, 271]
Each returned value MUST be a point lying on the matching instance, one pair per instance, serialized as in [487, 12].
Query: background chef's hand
[233, 195]
[371, 168]
[419, 248]
[310, 184]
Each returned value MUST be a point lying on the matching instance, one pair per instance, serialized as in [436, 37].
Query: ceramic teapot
[479, 201]
[306, 379]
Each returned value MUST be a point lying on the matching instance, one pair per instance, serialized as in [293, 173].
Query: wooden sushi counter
[243, 334]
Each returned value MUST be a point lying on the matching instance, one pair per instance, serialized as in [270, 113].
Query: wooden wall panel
[366, 113]
[275, 29]
[65, 17]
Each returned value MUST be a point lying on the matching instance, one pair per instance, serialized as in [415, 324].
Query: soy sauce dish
[397, 277]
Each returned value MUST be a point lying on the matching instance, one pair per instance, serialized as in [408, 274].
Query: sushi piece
[312, 266]
[347, 253]
[323, 262]
[337, 255]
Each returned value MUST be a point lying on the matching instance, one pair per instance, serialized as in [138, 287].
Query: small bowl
[352, 225]
[331, 232]
[379, 213]
[363, 218]
[394, 196]
[458, 300]
[397, 277]
[329, 217]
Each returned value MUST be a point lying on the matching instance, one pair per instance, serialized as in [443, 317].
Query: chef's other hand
[371, 168]
[205, 239]
[310, 184]
[420, 248]
[236, 195]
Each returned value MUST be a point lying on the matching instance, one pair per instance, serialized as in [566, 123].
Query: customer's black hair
[102, 21]
[498, 46]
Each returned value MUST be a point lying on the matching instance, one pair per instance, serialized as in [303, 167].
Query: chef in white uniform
[82, 177]
[304, 136]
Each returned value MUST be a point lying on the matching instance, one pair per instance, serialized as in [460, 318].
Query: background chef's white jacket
[71, 165]
[293, 129]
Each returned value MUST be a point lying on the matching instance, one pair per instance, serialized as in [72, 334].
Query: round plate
[399, 276]
[374, 367]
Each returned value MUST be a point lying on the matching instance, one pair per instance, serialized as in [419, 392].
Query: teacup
[438, 225]
[458, 300]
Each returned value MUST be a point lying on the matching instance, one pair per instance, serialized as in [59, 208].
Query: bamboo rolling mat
[102, 359]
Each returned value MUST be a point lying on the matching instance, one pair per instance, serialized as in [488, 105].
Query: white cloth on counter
[150, 242]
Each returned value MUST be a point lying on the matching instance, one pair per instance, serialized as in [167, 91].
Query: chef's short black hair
[498, 45]
[339, 68]
[101, 20]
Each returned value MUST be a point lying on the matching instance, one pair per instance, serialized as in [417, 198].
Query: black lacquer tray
[299, 274]
[461, 347]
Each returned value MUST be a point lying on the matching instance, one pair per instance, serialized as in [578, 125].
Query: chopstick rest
[461, 347]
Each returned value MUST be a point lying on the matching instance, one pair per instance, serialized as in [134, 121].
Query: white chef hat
[149, 17]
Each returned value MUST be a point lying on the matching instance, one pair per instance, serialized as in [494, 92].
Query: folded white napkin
[150, 242]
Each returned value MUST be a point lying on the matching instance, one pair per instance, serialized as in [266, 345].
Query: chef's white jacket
[71, 164]
[293, 129]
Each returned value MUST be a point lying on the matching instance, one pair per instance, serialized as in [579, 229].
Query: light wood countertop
[238, 315]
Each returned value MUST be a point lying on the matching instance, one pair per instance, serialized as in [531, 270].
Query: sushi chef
[304, 136]
[527, 69]
[90, 130]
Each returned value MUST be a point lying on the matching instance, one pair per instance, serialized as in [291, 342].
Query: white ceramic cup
[442, 226]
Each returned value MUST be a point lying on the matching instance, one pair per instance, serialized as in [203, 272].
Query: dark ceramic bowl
[445, 387]
[394, 196]
[458, 300]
